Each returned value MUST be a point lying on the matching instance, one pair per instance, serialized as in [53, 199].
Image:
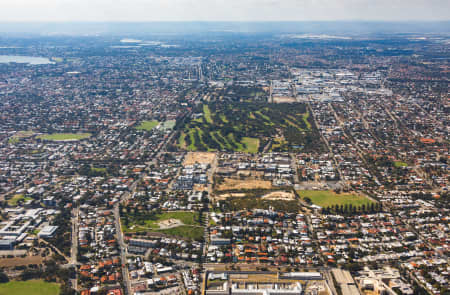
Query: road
[124, 198]
[326, 143]
[122, 250]
[74, 248]
[211, 172]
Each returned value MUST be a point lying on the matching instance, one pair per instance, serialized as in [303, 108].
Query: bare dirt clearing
[232, 184]
[199, 157]
[233, 195]
[170, 223]
[20, 261]
[280, 195]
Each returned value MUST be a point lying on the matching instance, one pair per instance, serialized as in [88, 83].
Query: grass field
[147, 125]
[16, 198]
[399, 164]
[329, 198]
[251, 145]
[185, 231]
[33, 287]
[64, 136]
[190, 229]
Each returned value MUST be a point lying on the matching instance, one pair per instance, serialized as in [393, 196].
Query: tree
[3, 277]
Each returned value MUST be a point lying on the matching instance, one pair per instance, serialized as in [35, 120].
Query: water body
[32, 60]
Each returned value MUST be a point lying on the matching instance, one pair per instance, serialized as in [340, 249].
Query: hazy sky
[222, 10]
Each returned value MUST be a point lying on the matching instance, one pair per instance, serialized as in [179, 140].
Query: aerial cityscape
[233, 161]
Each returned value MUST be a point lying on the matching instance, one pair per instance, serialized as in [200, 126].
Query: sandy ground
[226, 196]
[199, 157]
[169, 223]
[284, 99]
[229, 184]
[19, 261]
[200, 187]
[280, 195]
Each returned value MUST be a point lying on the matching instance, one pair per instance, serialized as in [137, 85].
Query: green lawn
[185, 231]
[147, 125]
[399, 164]
[252, 144]
[99, 170]
[329, 198]
[64, 136]
[33, 287]
[16, 198]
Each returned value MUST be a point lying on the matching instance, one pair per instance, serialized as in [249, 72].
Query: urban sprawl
[227, 165]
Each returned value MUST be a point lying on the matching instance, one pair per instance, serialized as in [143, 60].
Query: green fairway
[33, 287]
[305, 120]
[16, 198]
[207, 114]
[147, 125]
[330, 198]
[251, 144]
[182, 141]
[399, 164]
[246, 126]
[64, 136]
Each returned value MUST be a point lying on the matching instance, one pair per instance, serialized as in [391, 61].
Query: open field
[33, 287]
[199, 157]
[248, 127]
[147, 125]
[19, 135]
[284, 99]
[184, 231]
[330, 198]
[64, 136]
[16, 198]
[251, 145]
[237, 184]
[19, 261]
[169, 124]
[181, 224]
[252, 201]
[399, 164]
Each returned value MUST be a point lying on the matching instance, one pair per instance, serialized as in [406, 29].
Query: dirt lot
[200, 187]
[284, 99]
[169, 223]
[226, 196]
[18, 261]
[280, 195]
[231, 184]
[199, 157]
